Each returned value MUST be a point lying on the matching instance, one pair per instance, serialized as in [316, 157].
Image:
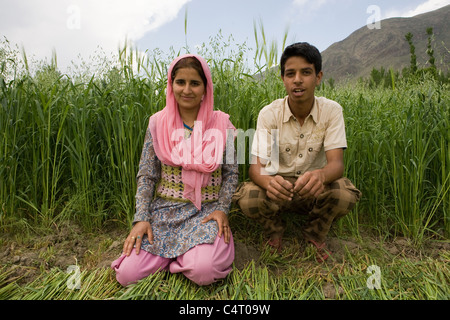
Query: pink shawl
[202, 153]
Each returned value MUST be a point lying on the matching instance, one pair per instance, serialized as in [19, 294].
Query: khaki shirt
[300, 148]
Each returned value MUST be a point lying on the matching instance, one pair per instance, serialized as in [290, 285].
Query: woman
[183, 191]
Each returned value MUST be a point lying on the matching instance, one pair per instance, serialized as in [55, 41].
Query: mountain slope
[365, 49]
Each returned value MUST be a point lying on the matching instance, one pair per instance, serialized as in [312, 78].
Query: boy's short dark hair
[305, 50]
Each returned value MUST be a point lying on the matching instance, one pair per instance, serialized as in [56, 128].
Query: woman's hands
[222, 221]
[135, 236]
[144, 227]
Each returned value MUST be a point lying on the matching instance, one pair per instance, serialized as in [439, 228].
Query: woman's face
[188, 89]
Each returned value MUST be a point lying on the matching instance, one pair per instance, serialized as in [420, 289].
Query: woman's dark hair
[189, 62]
[305, 50]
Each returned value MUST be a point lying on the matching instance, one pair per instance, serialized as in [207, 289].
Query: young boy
[298, 151]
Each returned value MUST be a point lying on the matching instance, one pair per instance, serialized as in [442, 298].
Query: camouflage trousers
[338, 199]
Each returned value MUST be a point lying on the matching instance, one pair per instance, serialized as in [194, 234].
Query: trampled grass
[301, 279]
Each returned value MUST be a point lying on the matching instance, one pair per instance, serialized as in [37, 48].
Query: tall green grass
[398, 155]
[70, 149]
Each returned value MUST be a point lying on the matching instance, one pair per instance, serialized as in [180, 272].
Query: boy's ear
[319, 78]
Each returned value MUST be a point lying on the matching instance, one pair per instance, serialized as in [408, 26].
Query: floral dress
[176, 224]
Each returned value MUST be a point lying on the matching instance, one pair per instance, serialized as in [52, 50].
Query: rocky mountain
[365, 49]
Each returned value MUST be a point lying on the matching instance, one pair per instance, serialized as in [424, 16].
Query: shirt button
[299, 172]
[300, 155]
[302, 136]
[310, 149]
[288, 149]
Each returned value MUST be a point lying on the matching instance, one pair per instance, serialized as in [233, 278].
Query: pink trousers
[203, 264]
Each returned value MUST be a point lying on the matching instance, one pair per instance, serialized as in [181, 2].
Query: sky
[79, 28]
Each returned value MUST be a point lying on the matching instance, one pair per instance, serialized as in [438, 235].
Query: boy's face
[300, 80]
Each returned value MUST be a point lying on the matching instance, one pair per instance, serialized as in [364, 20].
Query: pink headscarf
[202, 153]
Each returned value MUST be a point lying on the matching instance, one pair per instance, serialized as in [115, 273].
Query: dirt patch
[244, 253]
[69, 245]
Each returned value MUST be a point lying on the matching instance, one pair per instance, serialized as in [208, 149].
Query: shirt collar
[288, 113]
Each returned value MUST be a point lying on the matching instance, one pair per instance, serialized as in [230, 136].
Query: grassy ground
[36, 266]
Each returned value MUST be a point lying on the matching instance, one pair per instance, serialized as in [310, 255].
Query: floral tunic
[176, 225]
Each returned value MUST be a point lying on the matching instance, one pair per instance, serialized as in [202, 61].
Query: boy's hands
[280, 189]
[310, 184]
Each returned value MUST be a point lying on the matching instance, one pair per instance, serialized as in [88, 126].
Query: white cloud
[73, 27]
[427, 6]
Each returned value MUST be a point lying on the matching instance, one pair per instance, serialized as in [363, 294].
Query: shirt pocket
[313, 150]
[286, 152]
